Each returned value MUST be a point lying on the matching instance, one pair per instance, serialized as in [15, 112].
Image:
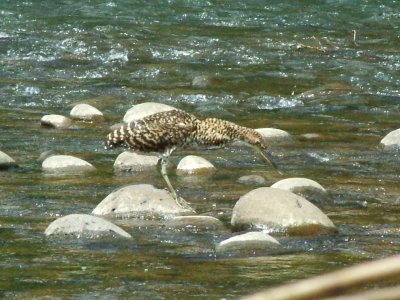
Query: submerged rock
[392, 140]
[195, 223]
[275, 135]
[249, 241]
[86, 112]
[66, 164]
[278, 210]
[194, 165]
[141, 200]
[56, 121]
[6, 161]
[299, 184]
[142, 110]
[201, 81]
[130, 161]
[252, 180]
[87, 226]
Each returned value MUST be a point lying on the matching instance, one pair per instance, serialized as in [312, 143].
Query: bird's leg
[164, 162]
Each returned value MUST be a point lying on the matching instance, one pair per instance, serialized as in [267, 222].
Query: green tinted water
[116, 54]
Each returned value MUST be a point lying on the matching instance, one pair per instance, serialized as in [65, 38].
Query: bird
[164, 132]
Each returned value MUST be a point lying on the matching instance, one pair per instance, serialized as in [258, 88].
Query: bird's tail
[115, 139]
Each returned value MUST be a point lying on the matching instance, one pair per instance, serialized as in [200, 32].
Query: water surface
[259, 57]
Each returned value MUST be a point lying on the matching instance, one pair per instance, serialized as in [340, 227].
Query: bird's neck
[217, 132]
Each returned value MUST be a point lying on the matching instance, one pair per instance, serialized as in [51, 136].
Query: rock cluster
[275, 210]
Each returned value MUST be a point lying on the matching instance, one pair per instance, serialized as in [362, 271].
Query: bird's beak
[267, 156]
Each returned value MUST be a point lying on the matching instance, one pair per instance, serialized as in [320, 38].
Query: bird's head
[255, 139]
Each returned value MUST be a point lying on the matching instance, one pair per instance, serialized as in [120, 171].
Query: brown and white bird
[163, 132]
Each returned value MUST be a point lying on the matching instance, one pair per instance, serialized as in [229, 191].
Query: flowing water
[260, 59]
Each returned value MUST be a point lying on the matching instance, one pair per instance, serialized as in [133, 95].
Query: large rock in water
[66, 164]
[87, 226]
[250, 241]
[86, 112]
[392, 140]
[194, 165]
[130, 161]
[56, 121]
[141, 200]
[6, 161]
[275, 135]
[280, 211]
[142, 110]
[298, 184]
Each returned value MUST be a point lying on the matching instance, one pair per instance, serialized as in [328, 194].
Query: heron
[166, 131]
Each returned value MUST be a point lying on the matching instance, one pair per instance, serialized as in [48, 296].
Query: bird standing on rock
[163, 132]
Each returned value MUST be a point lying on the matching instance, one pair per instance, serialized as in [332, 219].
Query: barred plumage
[165, 131]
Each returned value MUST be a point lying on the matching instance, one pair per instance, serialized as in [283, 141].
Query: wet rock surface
[6, 161]
[194, 165]
[275, 135]
[141, 200]
[392, 140]
[299, 184]
[55, 121]
[279, 211]
[249, 241]
[252, 180]
[130, 161]
[66, 164]
[86, 112]
[86, 226]
[142, 110]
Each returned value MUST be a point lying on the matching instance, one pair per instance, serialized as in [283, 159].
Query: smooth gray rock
[142, 110]
[194, 165]
[392, 140]
[298, 184]
[86, 112]
[130, 161]
[275, 135]
[141, 200]
[6, 161]
[249, 241]
[56, 121]
[82, 225]
[252, 180]
[278, 210]
[66, 164]
[195, 223]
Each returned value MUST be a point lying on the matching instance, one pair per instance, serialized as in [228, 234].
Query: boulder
[194, 165]
[56, 121]
[87, 226]
[298, 185]
[86, 112]
[142, 110]
[392, 140]
[249, 241]
[141, 200]
[275, 135]
[130, 161]
[194, 223]
[6, 161]
[66, 164]
[278, 210]
[252, 180]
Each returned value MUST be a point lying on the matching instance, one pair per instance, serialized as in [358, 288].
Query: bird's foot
[182, 203]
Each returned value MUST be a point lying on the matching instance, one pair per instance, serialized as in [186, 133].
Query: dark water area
[264, 62]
